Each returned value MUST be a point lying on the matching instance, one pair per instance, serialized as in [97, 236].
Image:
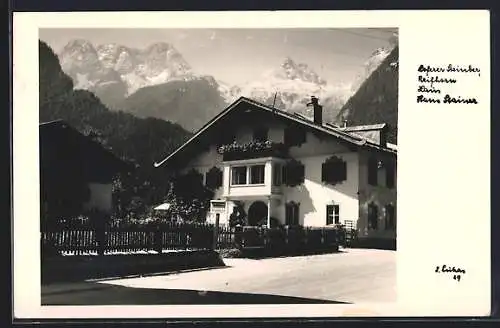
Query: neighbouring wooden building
[69, 160]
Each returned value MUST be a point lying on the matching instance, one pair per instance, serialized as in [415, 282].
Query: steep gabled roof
[353, 139]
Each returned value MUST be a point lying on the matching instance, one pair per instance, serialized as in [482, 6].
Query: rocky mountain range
[376, 99]
[158, 82]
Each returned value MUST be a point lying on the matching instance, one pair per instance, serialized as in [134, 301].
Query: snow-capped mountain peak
[293, 84]
[115, 71]
[160, 56]
[291, 70]
[79, 56]
[136, 68]
[118, 57]
[80, 44]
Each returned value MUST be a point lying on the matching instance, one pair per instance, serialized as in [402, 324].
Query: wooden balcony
[235, 151]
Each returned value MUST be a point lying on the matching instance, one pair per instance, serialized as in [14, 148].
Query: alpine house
[288, 169]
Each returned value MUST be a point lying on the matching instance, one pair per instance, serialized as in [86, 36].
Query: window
[293, 173]
[390, 217]
[334, 171]
[372, 171]
[292, 214]
[260, 134]
[239, 175]
[372, 216]
[332, 214]
[218, 206]
[389, 175]
[257, 174]
[277, 175]
[294, 136]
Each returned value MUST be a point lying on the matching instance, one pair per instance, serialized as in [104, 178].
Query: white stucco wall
[100, 197]
[313, 195]
[352, 195]
[204, 162]
[379, 195]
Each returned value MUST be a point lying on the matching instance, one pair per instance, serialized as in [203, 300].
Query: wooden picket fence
[129, 240]
[173, 237]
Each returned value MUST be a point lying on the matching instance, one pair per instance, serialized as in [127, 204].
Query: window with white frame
[332, 214]
[239, 175]
[257, 174]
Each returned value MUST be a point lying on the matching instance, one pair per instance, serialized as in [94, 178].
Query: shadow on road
[262, 253]
[120, 295]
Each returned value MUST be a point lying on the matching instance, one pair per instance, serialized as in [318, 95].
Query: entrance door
[257, 213]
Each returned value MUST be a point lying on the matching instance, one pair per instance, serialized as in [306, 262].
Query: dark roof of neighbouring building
[65, 139]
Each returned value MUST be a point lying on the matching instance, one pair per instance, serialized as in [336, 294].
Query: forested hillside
[189, 103]
[376, 101]
[138, 140]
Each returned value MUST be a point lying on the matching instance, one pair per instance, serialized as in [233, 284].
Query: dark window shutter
[208, 183]
[284, 174]
[389, 178]
[334, 172]
[301, 173]
[213, 178]
[219, 179]
[372, 172]
[287, 214]
[372, 216]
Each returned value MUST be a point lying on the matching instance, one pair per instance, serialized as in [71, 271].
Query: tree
[188, 197]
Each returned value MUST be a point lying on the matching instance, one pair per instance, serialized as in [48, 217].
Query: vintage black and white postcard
[251, 164]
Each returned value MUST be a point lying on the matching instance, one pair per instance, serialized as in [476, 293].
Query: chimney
[317, 110]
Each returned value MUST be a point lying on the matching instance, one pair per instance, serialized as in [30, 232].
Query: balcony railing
[236, 151]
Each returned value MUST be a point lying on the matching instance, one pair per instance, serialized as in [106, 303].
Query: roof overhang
[350, 139]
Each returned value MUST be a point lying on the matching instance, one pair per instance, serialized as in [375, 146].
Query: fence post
[101, 238]
[216, 232]
[158, 239]
[238, 237]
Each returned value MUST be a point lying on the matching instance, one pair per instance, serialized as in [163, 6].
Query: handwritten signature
[456, 271]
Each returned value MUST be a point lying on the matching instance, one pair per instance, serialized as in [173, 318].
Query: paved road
[356, 275]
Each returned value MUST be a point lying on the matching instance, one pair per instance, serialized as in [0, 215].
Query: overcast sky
[239, 55]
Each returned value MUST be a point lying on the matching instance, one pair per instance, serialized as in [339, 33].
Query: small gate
[350, 232]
